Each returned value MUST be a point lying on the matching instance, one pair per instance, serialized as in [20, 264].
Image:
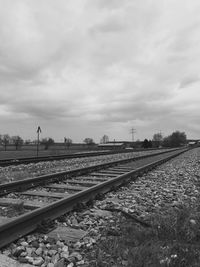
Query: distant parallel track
[27, 160]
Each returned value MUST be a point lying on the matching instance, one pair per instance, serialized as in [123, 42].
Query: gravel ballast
[167, 187]
[23, 171]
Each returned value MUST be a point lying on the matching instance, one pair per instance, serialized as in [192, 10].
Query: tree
[166, 141]
[157, 139]
[145, 143]
[88, 141]
[17, 141]
[68, 142]
[150, 144]
[104, 139]
[137, 144]
[176, 139]
[5, 140]
[27, 142]
[47, 142]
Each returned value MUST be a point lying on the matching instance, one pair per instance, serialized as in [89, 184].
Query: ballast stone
[5, 261]
[67, 234]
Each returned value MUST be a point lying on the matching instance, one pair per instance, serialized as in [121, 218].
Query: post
[38, 139]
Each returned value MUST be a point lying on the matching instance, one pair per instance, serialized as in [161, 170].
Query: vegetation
[18, 141]
[104, 139]
[147, 144]
[157, 139]
[5, 139]
[47, 142]
[68, 142]
[172, 241]
[176, 139]
[88, 141]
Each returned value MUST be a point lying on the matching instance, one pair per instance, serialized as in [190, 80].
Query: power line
[133, 131]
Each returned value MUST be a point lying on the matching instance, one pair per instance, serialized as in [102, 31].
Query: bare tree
[5, 140]
[47, 142]
[27, 142]
[157, 139]
[17, 141]
[68, 142]
[104, 139]
[89, 141]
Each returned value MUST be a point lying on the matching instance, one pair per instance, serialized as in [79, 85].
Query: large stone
[8, 262]
[67, 234]
[101, 213]
[38, 261]
[60, 263]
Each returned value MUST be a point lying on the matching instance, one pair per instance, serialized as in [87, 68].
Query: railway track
[27, 203]
[27, 160]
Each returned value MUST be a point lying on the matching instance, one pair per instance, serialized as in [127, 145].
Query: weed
[172, 241]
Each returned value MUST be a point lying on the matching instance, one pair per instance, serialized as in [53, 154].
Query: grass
[30, 153]
[173, 241]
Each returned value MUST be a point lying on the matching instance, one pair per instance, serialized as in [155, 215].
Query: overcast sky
[85, 68]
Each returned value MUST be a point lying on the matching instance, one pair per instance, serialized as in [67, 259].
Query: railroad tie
[43, 193]
[104, 174]
[65, 186]
[5, 202]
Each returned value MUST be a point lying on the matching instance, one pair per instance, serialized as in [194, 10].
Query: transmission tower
[132, 131]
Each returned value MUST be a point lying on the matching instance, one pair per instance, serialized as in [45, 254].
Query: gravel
[170, 185]
[23, 171]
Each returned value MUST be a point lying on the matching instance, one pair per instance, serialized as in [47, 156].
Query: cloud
[100, 63]
[187, 81]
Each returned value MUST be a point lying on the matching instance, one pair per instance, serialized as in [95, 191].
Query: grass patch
[172, 241]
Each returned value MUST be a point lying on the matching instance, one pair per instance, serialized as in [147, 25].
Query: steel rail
[59, 176]
[27, 160]
[28, 222]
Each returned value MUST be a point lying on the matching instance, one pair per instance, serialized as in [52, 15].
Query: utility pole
[38, 138]
[132, 133]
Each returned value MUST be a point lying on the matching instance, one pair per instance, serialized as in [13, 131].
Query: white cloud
[104, 64]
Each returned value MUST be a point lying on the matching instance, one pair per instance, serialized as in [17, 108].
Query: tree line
[176, 139]
[17, 141]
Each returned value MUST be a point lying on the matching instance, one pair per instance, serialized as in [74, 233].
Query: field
[31, 151]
